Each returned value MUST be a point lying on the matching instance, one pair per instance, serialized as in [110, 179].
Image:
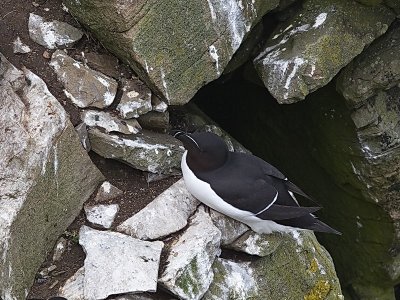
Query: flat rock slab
[135, 99]
[173, 56]
[52, 34]
[146, 151]
[189, 264]
[109, 122]
[116, 263]
[166, 214]
[153, 120]
[232, 280]
[43, 169]
[73, 287]
[83, 86]
[230, 229]
[309, 49]
[257, 244]
[102, 215]
[20, 47]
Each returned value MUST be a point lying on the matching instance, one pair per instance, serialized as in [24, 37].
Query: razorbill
[243, 186]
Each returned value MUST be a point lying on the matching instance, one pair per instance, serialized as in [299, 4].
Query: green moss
[319, 291]
[188, 281]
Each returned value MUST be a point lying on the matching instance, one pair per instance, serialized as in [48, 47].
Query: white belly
[204, 193]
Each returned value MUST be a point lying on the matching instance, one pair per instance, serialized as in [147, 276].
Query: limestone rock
[166, 214]
[257, 244]
[59, 249]
[112, 267]
[109, 123]
[106, 192]
[173, 56]
[309, 49]
[135, 99]
[106, 64]
[230, 228]
[73, 287]
[52, 34]
[188, 273]
[43, 169]
[82, 85]
[147, 151]
[232, 281]
[82, 132]
[158, 105]
[20, 47]
[102, 215]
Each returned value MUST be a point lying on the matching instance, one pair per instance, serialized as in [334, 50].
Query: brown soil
[137, 193]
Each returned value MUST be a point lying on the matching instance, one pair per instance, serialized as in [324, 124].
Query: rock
[59, 249]
[20, 47]
[232, 281]
[158, 105]
[257, 244]
[157, 121]
[73, 287]
[111, 267]
[134, 297]
[106, 192]
[135, 99]
[146, 151]
[43, 169]
[83, 135]
[102, 215]
[370, 85]
[109, 123]
[174, 57]
[106, 64]
[230, 228]
[166, 214]
[188, 273]
[52, 34]
[82, 85]
[309, 49]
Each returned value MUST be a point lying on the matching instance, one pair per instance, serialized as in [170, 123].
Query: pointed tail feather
[322, 227]
[295, 189]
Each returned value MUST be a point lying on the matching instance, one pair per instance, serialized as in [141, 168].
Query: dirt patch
[137, 193]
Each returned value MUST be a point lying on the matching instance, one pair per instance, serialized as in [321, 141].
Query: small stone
[46, 54]
[257, 244]
[102, 215]
[52, 34]
[53, 285]
[73, 287]
[20, 47]
[103, 63]
[158, 121]
[83, 86]
[188, 273]
[230, 228]
[112, 267]
[82, 132]
[59, 249]
[51, 268]
[158, 105]
[166, 214]
[35, 4]
[106, 192]
[135, 100]
[109, 123]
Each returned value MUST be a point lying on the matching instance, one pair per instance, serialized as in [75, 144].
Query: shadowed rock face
[45, 176]
[174, 47]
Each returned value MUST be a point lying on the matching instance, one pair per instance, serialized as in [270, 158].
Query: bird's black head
[206, 150]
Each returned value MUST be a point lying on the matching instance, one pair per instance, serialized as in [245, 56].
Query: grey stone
[230, 228]
[20, 47]
[166, 214]
[82, 132]
[188, 273]
[109, 123]
[73, 287]
[102, 215]
[173, 56]
[146, 151]
[158, 105]
[82, 85]
[135, 99]
[257, 244]
[106, 64]
[232, 280]
[116, 263]
[106, 192]
[43, 169]
[59, 249]
[158, 121]
[309, 49]
[52, 34]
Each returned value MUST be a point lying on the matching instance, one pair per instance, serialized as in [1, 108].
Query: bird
[244, 187]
